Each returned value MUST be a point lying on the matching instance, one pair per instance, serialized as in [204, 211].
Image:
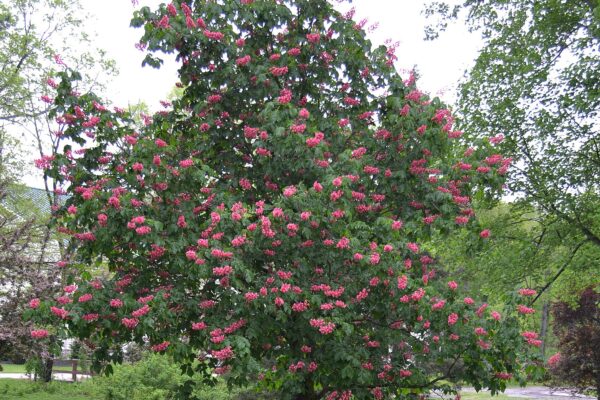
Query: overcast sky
[441, 63]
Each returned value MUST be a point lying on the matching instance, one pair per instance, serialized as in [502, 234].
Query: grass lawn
[13, 389]
[13, 368]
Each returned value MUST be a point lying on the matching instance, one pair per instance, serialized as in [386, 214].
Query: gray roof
[27, 201]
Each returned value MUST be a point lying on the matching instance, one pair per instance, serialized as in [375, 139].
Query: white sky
[440, 63]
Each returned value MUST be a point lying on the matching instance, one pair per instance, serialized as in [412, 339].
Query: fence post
[74, 372]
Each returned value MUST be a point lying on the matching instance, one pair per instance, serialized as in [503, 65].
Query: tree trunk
[46, 370]
[544, 328]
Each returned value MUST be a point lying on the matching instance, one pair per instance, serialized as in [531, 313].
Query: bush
[156, 377]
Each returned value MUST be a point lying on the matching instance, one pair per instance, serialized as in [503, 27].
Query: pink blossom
[396, 225]
[417, 294]
[313, 37]
[461, 220]
[484, 234]
[300, 306]
[129, 323]
[298, 128]
[529, 335]
[481, 310]
[285, 96]
[90, 317]
[223, 354]
[527, 292]
[402, 282]
[303, 113]
[289, 191]
[439, 305]
[374, 259]
[213, 35]
[554, 360]
[198, 326]
[141, 311]
[39, 334]
[222, 271]
[363, 294]
[278, 71]
[452, 285]
[102, 219]
[523, 309]
[452, 319]
[343, 243]
[479, 331]
[327, 328]
[143, 230]
[468, 301]
[238, 241]
[242, 61]
[86, 297]
[413, 247]
[59, 312]
[116, 303]
[161, 346]
[188, 162]
[34, 303]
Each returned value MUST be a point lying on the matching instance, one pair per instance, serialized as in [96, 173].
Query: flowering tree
[271, 224]
[26, 272]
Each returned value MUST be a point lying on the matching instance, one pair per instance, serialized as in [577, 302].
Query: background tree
[34, 36]
[577, 327]
[526, 252]
[536, 83]
[25, 274]
[269, 226]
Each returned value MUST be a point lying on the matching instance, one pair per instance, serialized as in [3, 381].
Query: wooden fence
[72, 364]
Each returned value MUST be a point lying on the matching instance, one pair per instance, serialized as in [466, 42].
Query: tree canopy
[535, 84]
[270, 224]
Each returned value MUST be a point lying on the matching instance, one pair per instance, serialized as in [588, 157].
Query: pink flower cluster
[39, 334]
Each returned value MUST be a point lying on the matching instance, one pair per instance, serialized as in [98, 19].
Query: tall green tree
[536, 82]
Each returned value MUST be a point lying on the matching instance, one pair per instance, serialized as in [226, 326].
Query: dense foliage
[270, 224]
[578, 330]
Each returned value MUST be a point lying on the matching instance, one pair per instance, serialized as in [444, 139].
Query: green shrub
[156, 377]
